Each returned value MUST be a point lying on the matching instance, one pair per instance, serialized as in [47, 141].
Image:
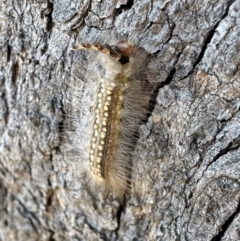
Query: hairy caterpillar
[108, 103]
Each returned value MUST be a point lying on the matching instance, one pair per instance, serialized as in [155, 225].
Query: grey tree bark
[186, 166]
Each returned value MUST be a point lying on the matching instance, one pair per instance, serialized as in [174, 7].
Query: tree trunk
[186, 164]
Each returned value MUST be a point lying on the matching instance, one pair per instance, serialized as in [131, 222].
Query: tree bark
[186, 165]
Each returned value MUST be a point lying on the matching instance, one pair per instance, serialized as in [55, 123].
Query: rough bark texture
[187, 162]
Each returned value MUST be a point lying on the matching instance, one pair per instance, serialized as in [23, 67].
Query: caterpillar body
[108, 103]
